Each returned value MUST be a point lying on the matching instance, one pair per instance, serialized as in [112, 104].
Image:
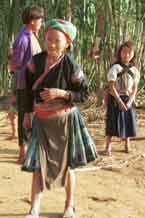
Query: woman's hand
[52, 93]
[27, 124]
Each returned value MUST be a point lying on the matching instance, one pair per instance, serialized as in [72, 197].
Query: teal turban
[64, 26]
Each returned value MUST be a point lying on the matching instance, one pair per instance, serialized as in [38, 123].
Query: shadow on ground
[44, 215]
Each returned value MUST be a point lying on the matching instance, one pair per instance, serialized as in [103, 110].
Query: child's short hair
[32, 13]
[129, 44]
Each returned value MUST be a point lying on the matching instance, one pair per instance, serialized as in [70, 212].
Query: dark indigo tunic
[59, 141]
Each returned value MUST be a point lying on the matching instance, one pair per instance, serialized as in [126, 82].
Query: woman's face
[56, 42]
[126, 54]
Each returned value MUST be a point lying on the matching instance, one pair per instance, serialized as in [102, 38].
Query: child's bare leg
[11, 116]
[127, 145]
[70, 189]
[22, 147]
[36, 194]
[22, 151]
[108, 145]
[13, 124]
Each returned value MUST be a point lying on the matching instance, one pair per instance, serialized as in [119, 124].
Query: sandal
[69, 213]
[30, 215]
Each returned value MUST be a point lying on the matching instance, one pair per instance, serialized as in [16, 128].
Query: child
[24, 47]
[60, 141]
[123, 78]
[12, 112]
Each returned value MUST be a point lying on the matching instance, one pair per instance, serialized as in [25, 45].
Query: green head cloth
[64, 26]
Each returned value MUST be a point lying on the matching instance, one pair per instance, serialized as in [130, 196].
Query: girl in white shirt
[123, 78]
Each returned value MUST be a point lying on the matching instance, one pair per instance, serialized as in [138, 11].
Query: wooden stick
[88, 169]
[138, 138]
[107, 167]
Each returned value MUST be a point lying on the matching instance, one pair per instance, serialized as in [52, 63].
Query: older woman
[59, 141]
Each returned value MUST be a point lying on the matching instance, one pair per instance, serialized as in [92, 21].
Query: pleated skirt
[120, 123]
[56, 143]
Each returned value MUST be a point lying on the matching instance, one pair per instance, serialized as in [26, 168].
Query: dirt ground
[114, 188]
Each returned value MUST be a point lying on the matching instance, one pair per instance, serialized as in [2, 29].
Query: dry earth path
[117, 191]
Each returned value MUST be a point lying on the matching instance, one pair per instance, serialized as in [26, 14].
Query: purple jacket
[22, 54]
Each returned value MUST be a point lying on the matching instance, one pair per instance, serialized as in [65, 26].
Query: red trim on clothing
[42, 113]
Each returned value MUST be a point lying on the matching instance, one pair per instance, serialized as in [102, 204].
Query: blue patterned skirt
[57, 143]
[120, 123]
